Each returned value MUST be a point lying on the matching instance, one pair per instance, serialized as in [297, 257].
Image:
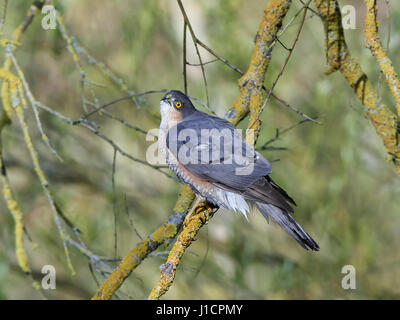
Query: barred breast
[212, 193]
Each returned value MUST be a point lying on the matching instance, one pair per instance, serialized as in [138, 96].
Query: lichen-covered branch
[9, 95]
[13, 207]
[373, 42]
[255, 121]
[31, 99]
[204, 213]
[164, 234]
[19, 31]
[8, 196]
[251, 83]
[18, 103]
[339, 59]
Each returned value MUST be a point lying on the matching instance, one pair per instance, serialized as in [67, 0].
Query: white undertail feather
[232, 201]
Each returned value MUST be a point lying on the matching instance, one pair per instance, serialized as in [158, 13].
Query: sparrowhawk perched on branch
[210, 155]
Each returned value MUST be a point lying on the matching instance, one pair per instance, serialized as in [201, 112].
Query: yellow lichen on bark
[165, 233]
[203, 214]
[13, 207]
[5, 97]
[18, 32]
[18, 104]
[9, 93]
[339, 59]
[250, 84]
[373, 42]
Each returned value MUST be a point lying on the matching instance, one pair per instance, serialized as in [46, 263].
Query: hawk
[208, 154]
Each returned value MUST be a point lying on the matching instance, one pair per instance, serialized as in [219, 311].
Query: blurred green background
[347, 193]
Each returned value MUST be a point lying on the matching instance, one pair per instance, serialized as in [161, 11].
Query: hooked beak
[167, 99]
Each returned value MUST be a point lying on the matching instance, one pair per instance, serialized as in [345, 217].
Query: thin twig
[123, 153]
[114, 200]
[130, 219]
[219, 57]
[305, 8]
[194, 38]
[184, 58]
[230, 65]
[198, 64]
[32, 101]
[122, 99]
[278, 134]
[203, 261]
[3, 16]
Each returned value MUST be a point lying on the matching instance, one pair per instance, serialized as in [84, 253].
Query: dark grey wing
[212, 149]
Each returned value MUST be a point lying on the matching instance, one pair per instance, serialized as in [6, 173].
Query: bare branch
[186, 19]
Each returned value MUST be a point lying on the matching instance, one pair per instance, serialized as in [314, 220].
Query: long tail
[288, 224]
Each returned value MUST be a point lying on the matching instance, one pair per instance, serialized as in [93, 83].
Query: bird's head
[177, 105]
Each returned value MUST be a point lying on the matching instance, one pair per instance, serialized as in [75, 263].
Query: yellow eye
[178, 104]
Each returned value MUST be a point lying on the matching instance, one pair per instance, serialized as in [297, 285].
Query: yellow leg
[192, 209]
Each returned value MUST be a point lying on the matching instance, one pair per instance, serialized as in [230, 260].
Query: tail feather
[288, 224]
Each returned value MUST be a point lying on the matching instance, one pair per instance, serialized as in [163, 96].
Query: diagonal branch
[204, 213]
[305, 8]
[164, 234]
[339, 59]
[373, 42]
[189, 25]
[230, 65]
